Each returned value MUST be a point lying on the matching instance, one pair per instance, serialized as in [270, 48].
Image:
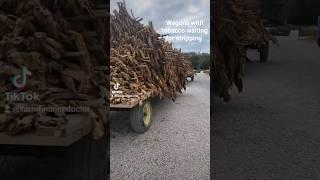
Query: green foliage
[199, 60]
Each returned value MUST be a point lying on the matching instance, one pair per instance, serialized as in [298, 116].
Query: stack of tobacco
[235, 22]
[142, 63]
[52, 63]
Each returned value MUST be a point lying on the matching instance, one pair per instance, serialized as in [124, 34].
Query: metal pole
[318, 33]
[285, 13]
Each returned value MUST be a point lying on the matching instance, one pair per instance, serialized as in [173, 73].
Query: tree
[199, 61]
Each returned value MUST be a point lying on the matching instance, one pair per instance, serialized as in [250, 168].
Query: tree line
[199, 60]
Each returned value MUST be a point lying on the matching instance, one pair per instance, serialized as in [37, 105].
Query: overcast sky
[158, 11]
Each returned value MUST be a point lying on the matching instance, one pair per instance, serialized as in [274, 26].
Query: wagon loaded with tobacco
[143, 66]
[238, 27]
[62, 47]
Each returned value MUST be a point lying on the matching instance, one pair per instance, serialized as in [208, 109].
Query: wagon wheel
[141, 117]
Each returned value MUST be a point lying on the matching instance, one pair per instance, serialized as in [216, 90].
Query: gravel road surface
[272, 130]
[177, 146]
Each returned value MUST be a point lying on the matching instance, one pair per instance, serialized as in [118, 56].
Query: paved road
[177, 146]
[272, 130]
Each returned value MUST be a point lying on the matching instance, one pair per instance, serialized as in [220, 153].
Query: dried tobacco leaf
[142, 62]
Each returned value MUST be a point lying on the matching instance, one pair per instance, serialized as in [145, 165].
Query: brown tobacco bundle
[62, 43]
[142, 62]
[236, 22]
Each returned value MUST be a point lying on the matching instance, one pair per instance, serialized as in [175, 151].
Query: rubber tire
[264, 53]
[136, 118]
[87, 159]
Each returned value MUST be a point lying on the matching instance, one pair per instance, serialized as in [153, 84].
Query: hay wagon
[82, 157]
[191, 75]
[140, 112]
[263, 50]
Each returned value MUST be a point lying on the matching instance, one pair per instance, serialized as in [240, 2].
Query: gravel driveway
[177, 146]
[272, 130]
